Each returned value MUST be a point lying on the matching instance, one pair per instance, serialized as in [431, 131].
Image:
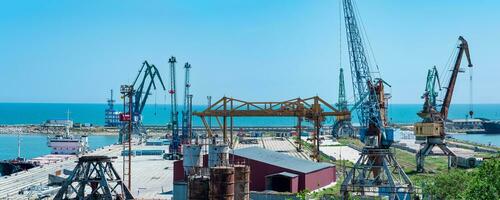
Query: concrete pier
[151, 175]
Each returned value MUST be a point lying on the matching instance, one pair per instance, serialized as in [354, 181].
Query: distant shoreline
[38, 129]
[41, 130]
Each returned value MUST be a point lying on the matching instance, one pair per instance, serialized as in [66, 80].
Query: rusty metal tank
[241, 182]
[180, 190]
[218, 155]
[198, 187]
[221, 183]
[192, 158]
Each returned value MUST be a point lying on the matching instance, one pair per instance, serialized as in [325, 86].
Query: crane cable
[446, 71]
[155, 101]
[369, 55]
[340, 34]
[471, 90]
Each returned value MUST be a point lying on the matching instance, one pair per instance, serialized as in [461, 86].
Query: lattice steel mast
[175, 144]
[342, 125]
[186, 115]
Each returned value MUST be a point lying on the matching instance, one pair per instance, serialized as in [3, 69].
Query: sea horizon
[156, 114]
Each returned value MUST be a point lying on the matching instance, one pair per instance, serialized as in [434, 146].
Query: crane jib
[368, 92]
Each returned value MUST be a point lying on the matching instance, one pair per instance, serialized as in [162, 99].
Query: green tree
[485, 182]
[448, 185]
[302, 195]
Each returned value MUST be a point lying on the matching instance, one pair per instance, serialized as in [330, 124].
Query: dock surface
[151, 175]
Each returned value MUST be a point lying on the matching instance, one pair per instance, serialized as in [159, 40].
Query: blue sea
[36, 113]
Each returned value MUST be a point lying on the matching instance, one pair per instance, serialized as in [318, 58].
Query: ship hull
[491, 127]
[8, 167]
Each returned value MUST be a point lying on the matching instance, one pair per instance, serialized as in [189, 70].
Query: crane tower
[175, 144]
[186, 114]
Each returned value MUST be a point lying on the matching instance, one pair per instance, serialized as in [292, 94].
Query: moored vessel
[68, 144]
[491, 127]
[8, 167]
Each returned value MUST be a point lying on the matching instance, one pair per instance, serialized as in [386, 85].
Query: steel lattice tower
[186, 114]
[94, 177]
[175, 144]
[342, 125]
[342, 100]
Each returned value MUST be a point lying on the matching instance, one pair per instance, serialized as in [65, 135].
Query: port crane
[376, 172]
[186, 113]
[342, 126]
[143, 83]
[432, 127]
[175, 144]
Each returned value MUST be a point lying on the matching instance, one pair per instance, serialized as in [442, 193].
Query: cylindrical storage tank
[198, 187]
[241, 182]
[221, 183]
[192, 158]
[218, 155]
[180, 190]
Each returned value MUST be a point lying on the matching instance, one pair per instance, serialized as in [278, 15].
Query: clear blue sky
[75, 51]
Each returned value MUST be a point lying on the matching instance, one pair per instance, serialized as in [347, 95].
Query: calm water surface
[36, 145]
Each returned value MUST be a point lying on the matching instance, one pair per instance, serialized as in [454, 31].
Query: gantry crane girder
[313, 109]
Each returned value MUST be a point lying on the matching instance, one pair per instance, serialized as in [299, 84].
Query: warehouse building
[276, 171]
[270, 170]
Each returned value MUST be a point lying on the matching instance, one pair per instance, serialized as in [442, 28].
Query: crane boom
[430, 87]
[367, 90]
[462, 48]
[143, 83]
[142, 95]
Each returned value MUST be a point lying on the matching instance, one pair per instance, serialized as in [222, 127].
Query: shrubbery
[482, 183]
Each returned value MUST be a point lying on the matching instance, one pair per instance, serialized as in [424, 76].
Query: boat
[68, 144]
[491, 127]
[8, 167]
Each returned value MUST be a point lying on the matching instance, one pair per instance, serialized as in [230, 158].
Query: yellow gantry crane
[311, 109]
